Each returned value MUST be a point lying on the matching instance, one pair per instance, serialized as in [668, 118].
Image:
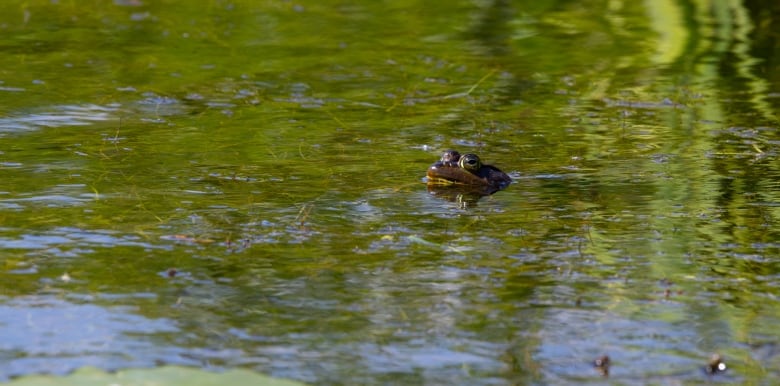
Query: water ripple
[65, 115]
[68, 235]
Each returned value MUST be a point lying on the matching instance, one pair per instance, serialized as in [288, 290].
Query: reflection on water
[465, 197]
[45, 334]
[240, 186]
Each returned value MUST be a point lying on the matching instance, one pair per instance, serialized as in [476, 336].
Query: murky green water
[240, 184]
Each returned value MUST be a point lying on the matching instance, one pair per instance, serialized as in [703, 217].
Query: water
[232, 184]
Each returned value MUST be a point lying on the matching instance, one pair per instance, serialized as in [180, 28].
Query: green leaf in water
[169, 375]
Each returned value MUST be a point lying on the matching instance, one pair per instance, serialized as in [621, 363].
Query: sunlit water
[242, 186]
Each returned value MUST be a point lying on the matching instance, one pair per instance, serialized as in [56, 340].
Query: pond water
[239, 184]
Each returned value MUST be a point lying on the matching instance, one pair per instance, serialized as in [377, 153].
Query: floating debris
[602, 365]
[715, 365]
[187, 239]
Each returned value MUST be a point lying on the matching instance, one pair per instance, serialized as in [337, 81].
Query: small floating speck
[715, 365]
[602, 365]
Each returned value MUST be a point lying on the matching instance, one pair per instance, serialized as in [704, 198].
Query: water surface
[240, 185]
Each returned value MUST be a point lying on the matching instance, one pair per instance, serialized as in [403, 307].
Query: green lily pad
[168, 375]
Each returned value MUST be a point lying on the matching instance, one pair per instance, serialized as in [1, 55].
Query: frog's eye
[470, 162]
